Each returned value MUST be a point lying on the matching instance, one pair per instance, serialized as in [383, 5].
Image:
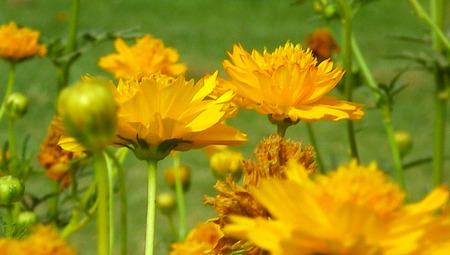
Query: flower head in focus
[354, 210]
[287, 84]
[322, 44]
[147, 56]
[19, 43]
[160, 113]
[199, 240]
[56, 160]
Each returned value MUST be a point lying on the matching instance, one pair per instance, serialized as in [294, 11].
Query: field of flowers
[230, 127]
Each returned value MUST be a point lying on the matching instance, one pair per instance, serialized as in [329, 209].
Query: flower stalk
[312, 139]
[9, 86]
[101, 176]
[151, 207]
[180, 198]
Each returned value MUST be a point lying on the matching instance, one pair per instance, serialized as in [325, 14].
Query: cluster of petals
[354, 210]
[147, 56]
[199, 240]
[19, 43]
[287, 84]
[43, 240]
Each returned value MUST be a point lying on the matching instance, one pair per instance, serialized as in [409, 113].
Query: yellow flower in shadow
[330, 216]
[161, 113]
[146, 57]
[199, 240]
[19, 43]
[287, 84]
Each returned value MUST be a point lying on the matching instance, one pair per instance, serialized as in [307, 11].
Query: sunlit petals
[19, 43]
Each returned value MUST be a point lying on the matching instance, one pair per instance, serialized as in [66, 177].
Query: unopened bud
[27, 219]
[185, 176]
[16, 105]
[404, 142]
[166, 203]
[225, 163]
[89, 113]
[11, 190]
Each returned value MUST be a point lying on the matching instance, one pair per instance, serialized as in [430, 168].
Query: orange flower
[199, 240]
[322, 44]
[19, 43]
[287, 84]
[146, 57]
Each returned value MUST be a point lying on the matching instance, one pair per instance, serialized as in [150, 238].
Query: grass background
[202, 31]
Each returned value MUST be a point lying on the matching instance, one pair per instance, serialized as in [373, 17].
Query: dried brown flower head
[322, 44]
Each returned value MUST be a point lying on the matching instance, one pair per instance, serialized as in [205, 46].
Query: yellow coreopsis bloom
[43, 240]
[199, 240]
[330, 216]
[19, 43]
[161, 113]
[287, 84]
[147, 56]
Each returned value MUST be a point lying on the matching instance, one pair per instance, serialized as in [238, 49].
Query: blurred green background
[203, 31]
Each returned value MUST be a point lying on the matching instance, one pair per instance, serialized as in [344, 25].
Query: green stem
[312, 139]
[9, 87]
[172, 227]
[393, 145]
[117, 159]
[63, 71]
[364, 69]
[151, 207]
[9, 221]
[52, 211]
[440, 106]
[438, 34]
[437, 8]
[101, 175]
[110, 203]
[182, 228]
[347, 65]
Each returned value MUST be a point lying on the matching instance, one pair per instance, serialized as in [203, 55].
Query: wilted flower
[160, 113]
[355, 210]
[19, 43]
[199, 241]
[57, 161]
[146, 57]
[287, 84]
[322, 44]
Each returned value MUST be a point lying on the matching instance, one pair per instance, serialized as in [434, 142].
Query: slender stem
[348, 79]
[431, 23]
[393, 145]
[12, 141]
[180, 198]
[440, 108]
[437, 8]
[52, 211]
[9, 87]
[151, 207]
[117, 159]
[172, 227]
[101, 175]
[63, 70]
[364, 69]
[9, 221]
[110, 203]
[312, 139]
[281, 129]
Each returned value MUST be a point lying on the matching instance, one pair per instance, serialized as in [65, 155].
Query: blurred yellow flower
[19, 43]
[287, 84]
[335, 215]
[199, 240]
[146, 57]
[161, 113]
[43, 240]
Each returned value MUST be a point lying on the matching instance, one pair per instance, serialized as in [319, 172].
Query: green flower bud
[89, 113]
[11, 190]
[185, 174]
[27, 219]
[166, 203]
[16, 105]
[404, 142]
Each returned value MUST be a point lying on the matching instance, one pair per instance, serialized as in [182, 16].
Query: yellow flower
[199, 240]
[19, 43]
[146, 57]
[287, 84]
[43, 240]
[318, 217]
[160, 113]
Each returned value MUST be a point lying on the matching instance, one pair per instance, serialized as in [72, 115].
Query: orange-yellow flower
[329, 216]
[19, 43]
[146, 57]
[199, 240]
[287, 84]
[322, 44]
[161, 113]
[43, 240]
